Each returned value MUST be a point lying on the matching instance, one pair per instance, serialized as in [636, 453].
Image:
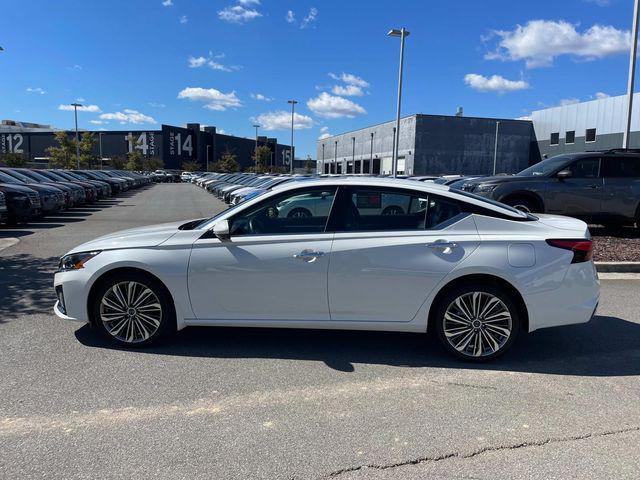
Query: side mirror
[221, 230]
[564, 174]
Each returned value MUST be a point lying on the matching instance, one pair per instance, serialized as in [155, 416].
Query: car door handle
[595, 187]
[443, 245]
[308, 256]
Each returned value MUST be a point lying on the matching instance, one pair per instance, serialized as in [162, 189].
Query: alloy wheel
[477, 324]
[130, 312]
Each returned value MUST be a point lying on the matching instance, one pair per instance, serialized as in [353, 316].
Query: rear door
[385, 261]
[581, 194]
[621, 193]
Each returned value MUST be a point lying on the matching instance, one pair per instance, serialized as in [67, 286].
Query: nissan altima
[474, 272]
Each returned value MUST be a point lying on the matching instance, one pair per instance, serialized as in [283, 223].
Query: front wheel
[132, 309]
[522, 204]
[477, 322]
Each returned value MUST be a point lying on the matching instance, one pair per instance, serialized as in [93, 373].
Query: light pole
[402, 33]
[632, 74]
[255, 152]
[371, 156]
[353, 155]
[495, 149]
[293, 106]
[75, 112]
[100, 138]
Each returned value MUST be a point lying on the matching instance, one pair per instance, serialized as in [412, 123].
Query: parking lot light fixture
[632, 74]
[256, 126]
[75, 112]
[293, 105]
[402, 33]
[495, 149]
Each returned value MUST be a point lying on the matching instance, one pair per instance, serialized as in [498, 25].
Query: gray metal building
[593, 125]
[432, 144]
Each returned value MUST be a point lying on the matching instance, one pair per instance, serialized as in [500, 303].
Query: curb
[8, 242]
[618, 267]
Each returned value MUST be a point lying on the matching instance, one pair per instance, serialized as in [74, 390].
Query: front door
[391, 249]
[579, 195]
[274, 266]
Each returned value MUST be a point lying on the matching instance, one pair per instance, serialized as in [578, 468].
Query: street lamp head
[292, 102]
[76, 105]
[394, 32]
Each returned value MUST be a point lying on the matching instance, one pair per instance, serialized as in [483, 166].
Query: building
[432, 145]
[594, 125]
[172, 145]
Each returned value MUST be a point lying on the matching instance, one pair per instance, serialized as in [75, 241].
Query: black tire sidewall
[167, 323]
[450, 296]
[307, 213]
[521, 201]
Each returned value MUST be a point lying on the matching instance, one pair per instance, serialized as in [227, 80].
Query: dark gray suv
[599, 187]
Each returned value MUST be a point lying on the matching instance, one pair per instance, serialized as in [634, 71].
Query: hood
[149, 236]
[39, 187]
[501, 179]
[11, 187]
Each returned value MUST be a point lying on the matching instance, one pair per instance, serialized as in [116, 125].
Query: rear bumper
[575, 301]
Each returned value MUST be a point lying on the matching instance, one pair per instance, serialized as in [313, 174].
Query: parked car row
[166, 176]
[27, 193]
[234, 188]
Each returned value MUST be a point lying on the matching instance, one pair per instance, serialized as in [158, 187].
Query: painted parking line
[8, 242]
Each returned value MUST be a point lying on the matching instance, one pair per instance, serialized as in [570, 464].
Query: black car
[22, 202]
[599, 187]
[51, 198]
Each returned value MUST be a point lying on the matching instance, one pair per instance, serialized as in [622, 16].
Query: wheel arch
[525, 194]
[481, 279]
[104, 276]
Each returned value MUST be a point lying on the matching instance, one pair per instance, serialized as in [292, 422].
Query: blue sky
[230, 63]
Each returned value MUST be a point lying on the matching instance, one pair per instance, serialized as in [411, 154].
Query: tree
[134, 161]
[308, 166]
[13, 160]
[191, 166]
[261, 158]
[87, 143]
[228, 163]
[64, 154]
[118, 162]
[151, 164]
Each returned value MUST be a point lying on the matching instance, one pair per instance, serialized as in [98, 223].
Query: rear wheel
[393, 210]
[132, 309]
[477, 322]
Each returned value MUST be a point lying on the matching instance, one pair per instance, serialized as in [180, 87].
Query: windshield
[35, 175]
[53, 175]
[545, 167]
[4, 178]
[19, 176]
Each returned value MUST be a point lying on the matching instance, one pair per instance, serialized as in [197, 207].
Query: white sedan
[474, 272]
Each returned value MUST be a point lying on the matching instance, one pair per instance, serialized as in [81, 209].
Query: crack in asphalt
[447, 456]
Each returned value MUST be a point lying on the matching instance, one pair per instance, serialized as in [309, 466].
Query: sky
[136, 64]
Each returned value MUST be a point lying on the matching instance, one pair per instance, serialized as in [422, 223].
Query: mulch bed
[615, 245]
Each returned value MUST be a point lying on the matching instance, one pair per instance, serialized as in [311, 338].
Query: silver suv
[599, 187]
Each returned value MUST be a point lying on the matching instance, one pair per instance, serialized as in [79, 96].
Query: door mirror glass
[221, 230]
[564, 174]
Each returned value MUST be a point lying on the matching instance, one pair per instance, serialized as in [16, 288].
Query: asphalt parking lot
[246, 403]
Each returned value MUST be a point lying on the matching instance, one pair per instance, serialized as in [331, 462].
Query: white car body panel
[364, 280]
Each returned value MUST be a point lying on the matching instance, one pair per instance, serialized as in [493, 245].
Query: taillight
[582, 249]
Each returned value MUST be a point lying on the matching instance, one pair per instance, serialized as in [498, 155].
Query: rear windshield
[517, 213]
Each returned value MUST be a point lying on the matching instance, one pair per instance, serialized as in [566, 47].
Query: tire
[523, 204]
[299, 213]
[145, 319]
[393, 210]
[460, 338]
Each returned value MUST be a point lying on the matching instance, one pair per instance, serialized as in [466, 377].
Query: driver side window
[293, 212]
[585, 168]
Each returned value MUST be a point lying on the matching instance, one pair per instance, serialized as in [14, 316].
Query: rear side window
[369, 209]
[621, 167]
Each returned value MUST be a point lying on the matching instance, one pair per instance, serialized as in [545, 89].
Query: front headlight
[75, 261]
[485, 188]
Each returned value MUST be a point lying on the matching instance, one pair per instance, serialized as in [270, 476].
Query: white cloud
[539, 42]
[347, 91]
[249, 2]
[128, 116]
[97, 122]
[601, 95]
[167, 3]
[36, 90]
[569, 101]
[184, 19]
[213, 65]
[157, 105]
[290, 17]
[281, 120]
[329, 106]
[600, 3]
[213, 99]
[238, 14]
[324, 133]
[525, 117]
[221, 131]
[261, 97]
[495, 83]
[196, 62]
[80, 99]
[83, 108]
[350, 79]
[310, 18]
